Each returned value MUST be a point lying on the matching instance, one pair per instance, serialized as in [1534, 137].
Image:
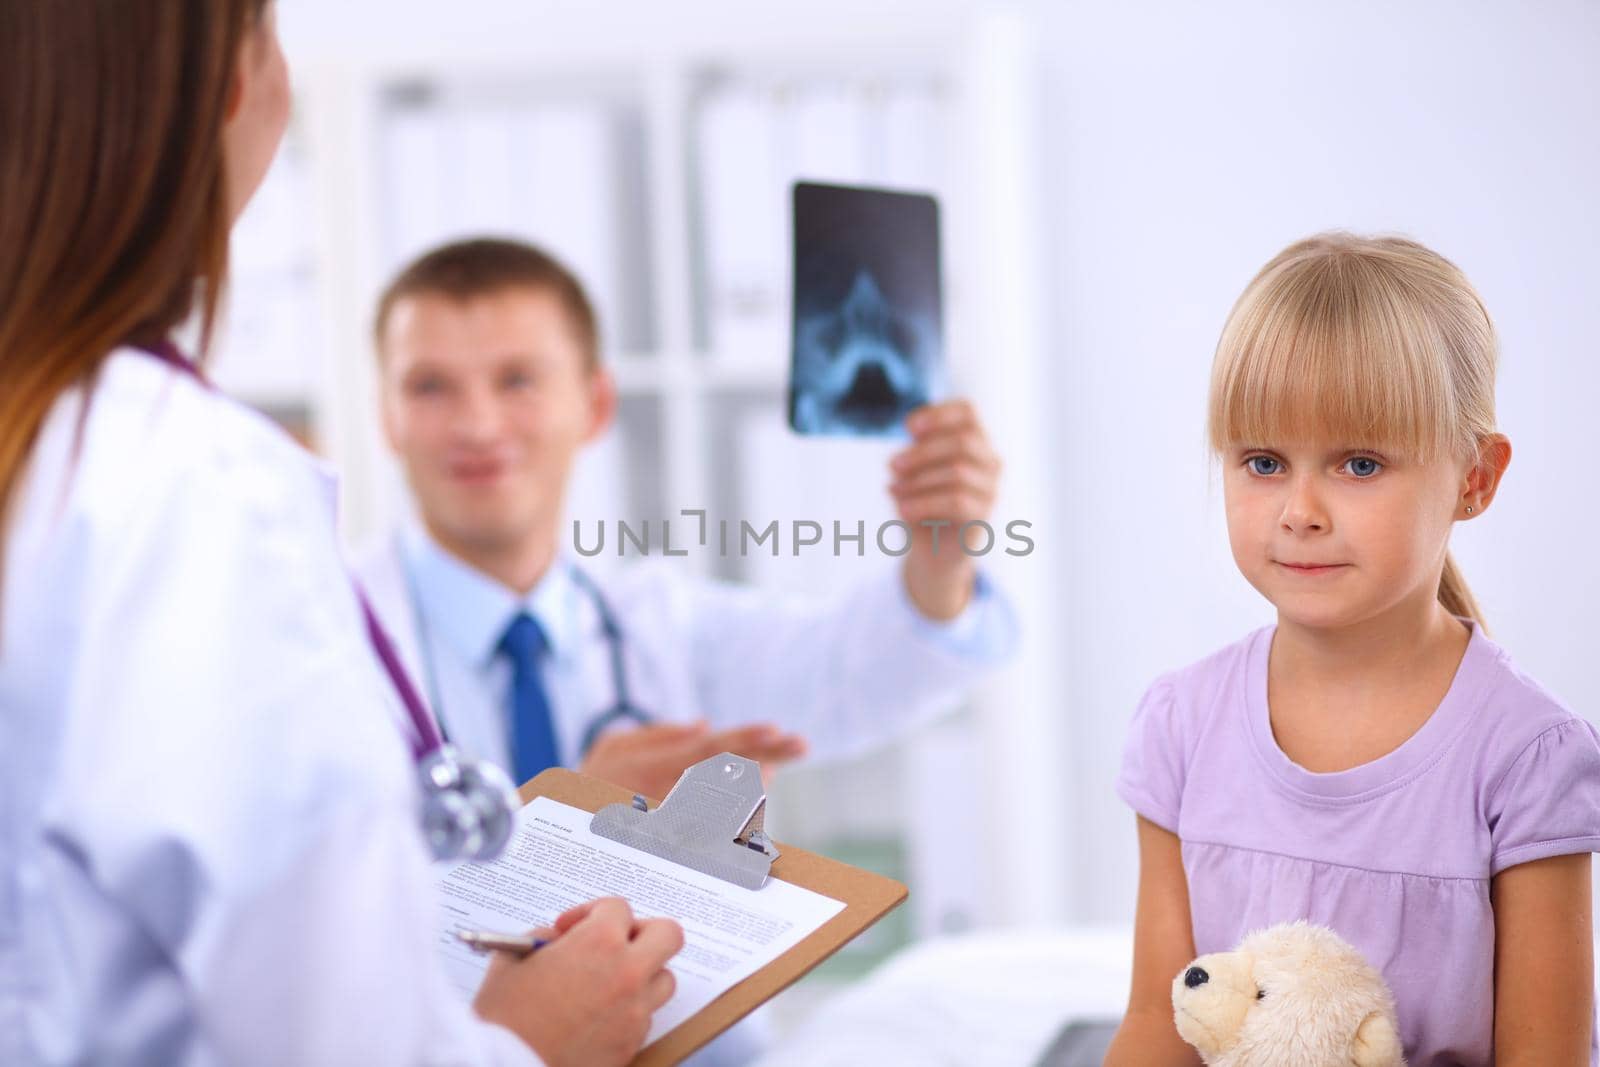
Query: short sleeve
[1548, 802]
[1153, 761]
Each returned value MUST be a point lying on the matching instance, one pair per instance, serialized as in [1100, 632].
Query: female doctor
[208, 842]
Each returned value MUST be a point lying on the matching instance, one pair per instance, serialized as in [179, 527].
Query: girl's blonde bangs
[1338, 345]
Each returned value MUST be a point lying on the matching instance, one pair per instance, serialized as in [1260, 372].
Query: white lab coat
[209, 850]
[847, 672]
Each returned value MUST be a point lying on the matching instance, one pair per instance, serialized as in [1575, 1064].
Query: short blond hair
[1376, 341]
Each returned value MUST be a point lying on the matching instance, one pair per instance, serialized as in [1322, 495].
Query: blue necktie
[533, 731]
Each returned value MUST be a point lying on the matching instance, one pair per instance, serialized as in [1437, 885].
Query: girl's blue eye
[1263, 465]
[1363, 466]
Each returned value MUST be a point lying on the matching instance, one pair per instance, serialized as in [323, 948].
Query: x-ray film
[868, 339]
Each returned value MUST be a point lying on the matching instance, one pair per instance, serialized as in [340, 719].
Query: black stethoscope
[469, 805]
[622, 708]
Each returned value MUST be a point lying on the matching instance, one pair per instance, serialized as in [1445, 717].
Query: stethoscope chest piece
[468, 806]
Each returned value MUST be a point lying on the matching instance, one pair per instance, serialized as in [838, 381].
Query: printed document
[553, 863]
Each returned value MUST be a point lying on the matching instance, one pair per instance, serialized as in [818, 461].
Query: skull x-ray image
[868, 337]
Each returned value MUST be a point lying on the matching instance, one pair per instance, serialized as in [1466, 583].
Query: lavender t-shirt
[1396, 855]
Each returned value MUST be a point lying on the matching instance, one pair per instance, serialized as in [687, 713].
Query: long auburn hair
[113, 201]
[1376, 339]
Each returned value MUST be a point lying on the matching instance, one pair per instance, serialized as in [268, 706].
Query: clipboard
[867, 898]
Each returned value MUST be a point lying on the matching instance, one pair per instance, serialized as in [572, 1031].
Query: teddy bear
[1292, 995]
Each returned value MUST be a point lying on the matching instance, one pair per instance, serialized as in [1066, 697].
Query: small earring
[1469, 509]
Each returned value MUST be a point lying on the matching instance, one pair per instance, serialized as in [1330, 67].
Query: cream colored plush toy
[1293, 995]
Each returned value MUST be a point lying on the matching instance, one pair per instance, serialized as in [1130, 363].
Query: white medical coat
[209, 848]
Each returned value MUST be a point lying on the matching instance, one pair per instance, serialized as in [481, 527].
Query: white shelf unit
[702, 423]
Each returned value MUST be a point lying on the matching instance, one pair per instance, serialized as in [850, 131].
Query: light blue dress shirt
[847, 672]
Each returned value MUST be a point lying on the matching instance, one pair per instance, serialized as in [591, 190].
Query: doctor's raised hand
[946, 478]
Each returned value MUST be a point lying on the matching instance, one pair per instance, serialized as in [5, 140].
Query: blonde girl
[1372, 762]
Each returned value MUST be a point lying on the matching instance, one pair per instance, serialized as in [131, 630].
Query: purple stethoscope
[468, 805]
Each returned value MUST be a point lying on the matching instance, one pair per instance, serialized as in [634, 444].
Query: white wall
[1186, 143]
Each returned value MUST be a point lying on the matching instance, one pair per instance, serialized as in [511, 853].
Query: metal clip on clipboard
[710, 822]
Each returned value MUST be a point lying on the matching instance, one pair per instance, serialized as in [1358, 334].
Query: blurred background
[1110, 174]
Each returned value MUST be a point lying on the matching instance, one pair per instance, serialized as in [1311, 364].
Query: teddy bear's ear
[1376, 1044]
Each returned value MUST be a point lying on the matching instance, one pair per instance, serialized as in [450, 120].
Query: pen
[515, 944]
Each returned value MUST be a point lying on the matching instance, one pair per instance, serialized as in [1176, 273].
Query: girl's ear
[1482, 480]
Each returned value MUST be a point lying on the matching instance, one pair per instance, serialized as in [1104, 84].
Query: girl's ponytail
[1456, 597]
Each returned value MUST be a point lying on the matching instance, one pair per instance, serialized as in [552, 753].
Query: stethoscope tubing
[622, 709]
[427, 737]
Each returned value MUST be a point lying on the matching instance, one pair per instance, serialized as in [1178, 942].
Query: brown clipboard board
[867, 898]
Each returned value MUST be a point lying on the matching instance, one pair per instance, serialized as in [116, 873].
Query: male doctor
[491, 383]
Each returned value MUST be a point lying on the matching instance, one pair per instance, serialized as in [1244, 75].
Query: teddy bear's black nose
[1195, 976]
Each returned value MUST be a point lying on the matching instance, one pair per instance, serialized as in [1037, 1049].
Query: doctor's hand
[946, 477]
[649, 760]
[587, 996]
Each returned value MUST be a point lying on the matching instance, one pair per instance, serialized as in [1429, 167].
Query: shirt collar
[471, 610]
